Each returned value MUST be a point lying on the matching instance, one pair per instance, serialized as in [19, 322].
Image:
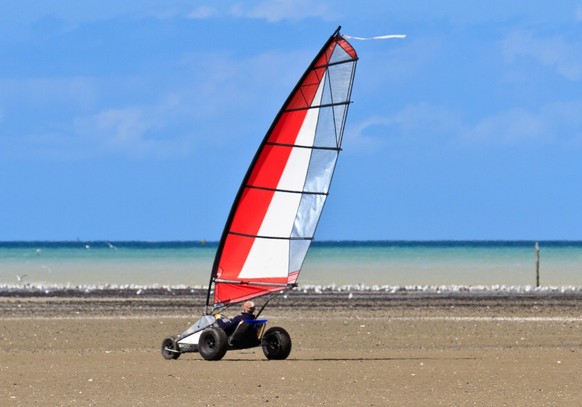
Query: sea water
[365, 264]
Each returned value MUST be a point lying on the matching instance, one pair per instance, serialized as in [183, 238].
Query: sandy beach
[370, 350]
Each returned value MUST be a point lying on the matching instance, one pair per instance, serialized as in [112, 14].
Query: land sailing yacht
[275, 213]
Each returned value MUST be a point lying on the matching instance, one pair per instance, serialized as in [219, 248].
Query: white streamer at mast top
[380, 37]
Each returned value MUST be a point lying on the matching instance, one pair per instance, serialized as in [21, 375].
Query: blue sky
[136, 120]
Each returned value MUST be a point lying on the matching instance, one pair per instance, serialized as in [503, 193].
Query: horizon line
[328, 241]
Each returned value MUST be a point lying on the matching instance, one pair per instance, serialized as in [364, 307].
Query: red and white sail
[275, 214]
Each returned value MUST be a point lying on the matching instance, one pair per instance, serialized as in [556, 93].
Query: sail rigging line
[277, 207]
[264, 305]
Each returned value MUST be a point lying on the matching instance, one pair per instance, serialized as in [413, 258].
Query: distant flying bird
[20, 277]
[111, 246]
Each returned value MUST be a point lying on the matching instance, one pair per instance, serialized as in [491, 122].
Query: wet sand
[370, 350]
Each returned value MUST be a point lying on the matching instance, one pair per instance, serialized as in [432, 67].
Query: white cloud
[202, 13]
[430, 126]
[118, 127]
[556, 123]
[130, 131]
[509, 127]
[414, 125]
[51, 91]
[279, 10]
[135, 132]
[240, 87]
[439, 119]
[554, 51]
[88, 125]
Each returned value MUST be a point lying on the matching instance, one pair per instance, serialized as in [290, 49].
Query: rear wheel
[276, 344]
[212, 344]
[170, 348]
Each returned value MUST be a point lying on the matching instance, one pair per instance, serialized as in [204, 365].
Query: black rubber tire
[276, 343]
[170, 343]
[212, 344]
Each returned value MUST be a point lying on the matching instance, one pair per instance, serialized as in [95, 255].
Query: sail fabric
[277, 209]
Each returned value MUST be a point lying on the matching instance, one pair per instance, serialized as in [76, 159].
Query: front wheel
[212, 344]
[170, 348]
[276, 344]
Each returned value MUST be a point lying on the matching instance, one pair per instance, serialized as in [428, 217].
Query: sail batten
[333, 64]
[289, 191]
[271, 237]
[242, 282]
[276, 211]
[317, 106]
[302, 146]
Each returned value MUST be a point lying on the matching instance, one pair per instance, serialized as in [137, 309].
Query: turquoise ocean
[361, 264]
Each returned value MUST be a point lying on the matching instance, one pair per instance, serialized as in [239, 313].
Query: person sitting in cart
[229, 325]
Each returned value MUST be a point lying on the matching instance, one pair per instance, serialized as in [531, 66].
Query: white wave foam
[313, 288]
[442, 289]
[51, 287]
